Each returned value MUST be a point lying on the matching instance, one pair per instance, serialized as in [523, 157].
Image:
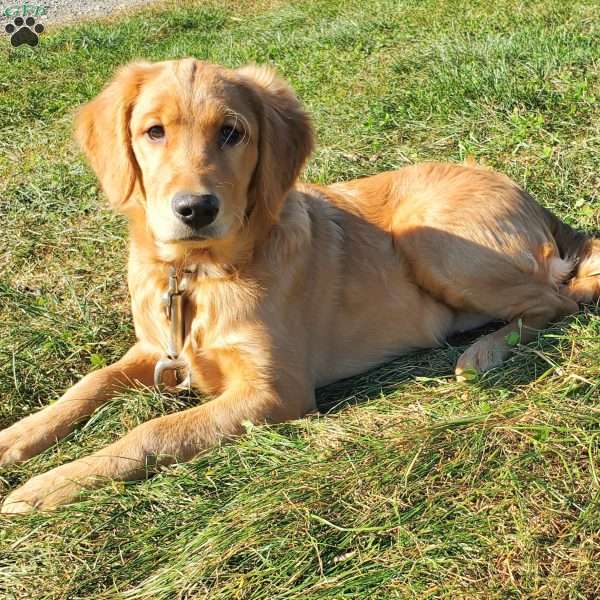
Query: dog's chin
[198, 241]
[190, 238]
[174, 250]
[188, 243]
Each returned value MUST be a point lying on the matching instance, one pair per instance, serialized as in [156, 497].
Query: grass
[412, 485]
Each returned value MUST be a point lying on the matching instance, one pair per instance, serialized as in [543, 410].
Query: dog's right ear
[102, 130]
[285, 142]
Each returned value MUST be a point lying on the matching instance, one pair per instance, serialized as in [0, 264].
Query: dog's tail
[584, 252]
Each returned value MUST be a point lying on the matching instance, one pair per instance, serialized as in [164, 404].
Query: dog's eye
[229, 136]
[156, 133]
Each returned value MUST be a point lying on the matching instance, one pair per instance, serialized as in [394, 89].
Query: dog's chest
[214, 321]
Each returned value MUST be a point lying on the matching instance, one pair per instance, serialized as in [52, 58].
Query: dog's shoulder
[307, 218]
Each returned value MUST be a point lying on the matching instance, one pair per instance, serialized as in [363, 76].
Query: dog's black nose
[195, 210]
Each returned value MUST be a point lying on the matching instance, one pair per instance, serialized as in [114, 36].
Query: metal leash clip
[173, 304]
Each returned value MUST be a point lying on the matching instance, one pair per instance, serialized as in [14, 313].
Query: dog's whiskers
[245, 126]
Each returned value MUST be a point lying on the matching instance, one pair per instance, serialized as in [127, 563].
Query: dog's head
[203, 150]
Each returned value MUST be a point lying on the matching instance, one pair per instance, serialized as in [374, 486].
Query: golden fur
[294, 287]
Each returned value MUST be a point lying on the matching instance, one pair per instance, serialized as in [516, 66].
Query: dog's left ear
[285, 142]
[102, 130]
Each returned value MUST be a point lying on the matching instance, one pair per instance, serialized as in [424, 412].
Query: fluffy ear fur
[285, 142]
[102, 130]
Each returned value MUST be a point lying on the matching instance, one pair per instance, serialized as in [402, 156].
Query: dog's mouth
[193, 237]
[190, 238]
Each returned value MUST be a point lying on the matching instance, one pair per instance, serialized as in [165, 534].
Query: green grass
[414, 486]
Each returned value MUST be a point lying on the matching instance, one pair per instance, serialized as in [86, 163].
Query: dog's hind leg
[478, 243]
[517, 282]
[545, 303]
[491, 350]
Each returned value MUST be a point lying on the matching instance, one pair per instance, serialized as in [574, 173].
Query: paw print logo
[24, 31]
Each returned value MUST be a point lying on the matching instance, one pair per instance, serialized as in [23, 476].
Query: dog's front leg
[176, 437]
[39, 431]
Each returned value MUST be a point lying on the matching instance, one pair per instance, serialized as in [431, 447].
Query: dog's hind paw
[485, 354]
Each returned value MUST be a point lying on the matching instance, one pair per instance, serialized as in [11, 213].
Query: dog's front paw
[44, 492]
[21, 441]
[15, 445]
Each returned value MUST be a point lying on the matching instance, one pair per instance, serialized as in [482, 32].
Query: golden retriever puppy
[278, 288]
